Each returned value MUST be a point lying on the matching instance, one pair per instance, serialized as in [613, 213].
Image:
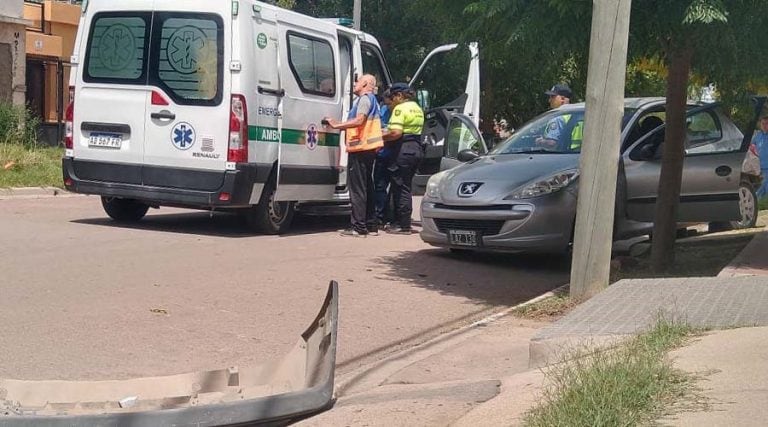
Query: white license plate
[106, 140]
[463, 237]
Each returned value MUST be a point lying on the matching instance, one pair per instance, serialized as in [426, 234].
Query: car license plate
[463, 237]
[106, 140]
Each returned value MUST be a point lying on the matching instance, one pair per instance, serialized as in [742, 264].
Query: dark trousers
[381, 179]
[361, 191]
[403, 169]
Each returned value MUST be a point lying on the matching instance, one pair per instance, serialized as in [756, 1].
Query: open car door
[450, 104]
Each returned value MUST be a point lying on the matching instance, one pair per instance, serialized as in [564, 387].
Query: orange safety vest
[368, 136]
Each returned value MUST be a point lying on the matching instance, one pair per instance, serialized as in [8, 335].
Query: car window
[559, 131]
[117, 48]
[704, 135]
[188, 60]
[462, 137]
[311, 61]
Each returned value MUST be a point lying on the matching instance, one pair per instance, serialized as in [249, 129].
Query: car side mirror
[467, 155]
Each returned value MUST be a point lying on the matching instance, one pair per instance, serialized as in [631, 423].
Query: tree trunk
[673, 155]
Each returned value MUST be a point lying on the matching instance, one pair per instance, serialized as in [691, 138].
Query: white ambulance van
[216, 105]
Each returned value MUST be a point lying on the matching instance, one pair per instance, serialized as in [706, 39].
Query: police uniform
[405, 157]
[761, 144]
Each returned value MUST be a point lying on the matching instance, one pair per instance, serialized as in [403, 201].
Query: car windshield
[556, 131]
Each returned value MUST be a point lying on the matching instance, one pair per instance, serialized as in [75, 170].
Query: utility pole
[356, 12]
[599, 162]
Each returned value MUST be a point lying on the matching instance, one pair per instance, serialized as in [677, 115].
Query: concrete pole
[600, 152]
[356, 12]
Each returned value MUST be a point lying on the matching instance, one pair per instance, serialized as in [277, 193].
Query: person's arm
[359, 120]
[396, 125]
[363, 109]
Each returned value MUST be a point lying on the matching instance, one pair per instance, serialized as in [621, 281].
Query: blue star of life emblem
[183, 136]
[312, 135]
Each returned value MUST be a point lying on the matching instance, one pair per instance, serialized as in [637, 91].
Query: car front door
[714, 152]
[462, 136]
[457, 110]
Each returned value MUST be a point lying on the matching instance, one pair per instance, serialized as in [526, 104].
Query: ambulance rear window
[183, 55]
[187, 62]
[117, 48]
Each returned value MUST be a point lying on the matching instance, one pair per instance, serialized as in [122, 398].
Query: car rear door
[714, 152]
[111, 93]
[187, 110]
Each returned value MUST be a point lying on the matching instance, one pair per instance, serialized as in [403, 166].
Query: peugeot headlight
[433, 186]
[548, 185]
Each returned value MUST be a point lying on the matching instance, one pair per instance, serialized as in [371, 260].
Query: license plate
[463, 237]
[106, 140]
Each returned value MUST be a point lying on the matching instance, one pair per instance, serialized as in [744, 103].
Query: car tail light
[69, 116]
[238, 130]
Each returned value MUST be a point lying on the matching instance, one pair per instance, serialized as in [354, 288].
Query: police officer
[559, 95]
[403, 139]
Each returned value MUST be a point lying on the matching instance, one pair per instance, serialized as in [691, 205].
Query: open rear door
[447, 84]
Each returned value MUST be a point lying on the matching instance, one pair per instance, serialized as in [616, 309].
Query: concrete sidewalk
[483, 376]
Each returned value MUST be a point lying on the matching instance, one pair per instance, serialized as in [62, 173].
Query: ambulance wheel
[124, 210]
[271, 216]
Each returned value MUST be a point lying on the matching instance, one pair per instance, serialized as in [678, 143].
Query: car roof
[634, 103]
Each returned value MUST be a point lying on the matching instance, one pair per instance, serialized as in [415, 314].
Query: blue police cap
[560, 89]
[399, 88]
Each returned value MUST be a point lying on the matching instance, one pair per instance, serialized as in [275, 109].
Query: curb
[372, 374]
[33, 193]
[748, 261]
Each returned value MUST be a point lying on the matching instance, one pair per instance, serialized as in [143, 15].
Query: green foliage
[17, 125]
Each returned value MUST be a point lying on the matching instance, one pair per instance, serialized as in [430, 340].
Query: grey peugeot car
[521, 196]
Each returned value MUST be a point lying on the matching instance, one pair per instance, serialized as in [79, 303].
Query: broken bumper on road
[299, 385]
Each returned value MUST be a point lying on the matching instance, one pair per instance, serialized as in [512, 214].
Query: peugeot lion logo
[468, 189]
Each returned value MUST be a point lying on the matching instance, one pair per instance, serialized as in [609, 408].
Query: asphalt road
[82, 297]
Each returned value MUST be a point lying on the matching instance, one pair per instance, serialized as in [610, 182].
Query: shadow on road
[494, 279]
[218, 224]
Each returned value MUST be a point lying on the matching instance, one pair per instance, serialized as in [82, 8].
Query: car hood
[501, 174]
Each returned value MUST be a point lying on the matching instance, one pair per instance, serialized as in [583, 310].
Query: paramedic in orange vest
[363, 129]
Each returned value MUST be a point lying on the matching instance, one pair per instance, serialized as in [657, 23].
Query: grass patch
[631, 384]
[555, 306]
[30, 166]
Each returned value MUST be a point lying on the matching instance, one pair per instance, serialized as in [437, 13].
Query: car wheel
[271, 216]
[748, 207]
[124, 210]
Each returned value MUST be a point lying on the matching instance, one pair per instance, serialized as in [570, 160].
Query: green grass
[30, 166]
[629, 385]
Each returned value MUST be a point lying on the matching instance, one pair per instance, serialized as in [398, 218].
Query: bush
[17, 125]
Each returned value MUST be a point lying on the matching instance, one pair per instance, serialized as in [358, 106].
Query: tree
[720, 44]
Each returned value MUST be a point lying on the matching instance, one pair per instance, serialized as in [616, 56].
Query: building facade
[12, 52]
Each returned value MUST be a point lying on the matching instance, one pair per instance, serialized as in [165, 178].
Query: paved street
[83, 297]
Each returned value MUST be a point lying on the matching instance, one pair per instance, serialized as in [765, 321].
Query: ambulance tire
[270, 216]
[124, 210]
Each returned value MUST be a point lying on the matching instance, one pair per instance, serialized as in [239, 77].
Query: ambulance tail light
[69, 116]
[238, 130]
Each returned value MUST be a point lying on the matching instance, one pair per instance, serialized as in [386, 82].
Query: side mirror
[466, 155]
